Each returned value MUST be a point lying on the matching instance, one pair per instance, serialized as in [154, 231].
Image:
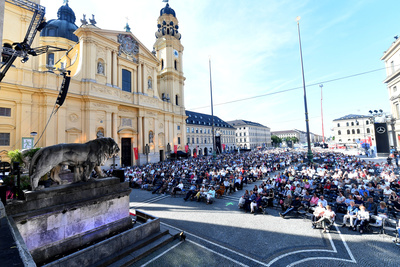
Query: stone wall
[54, 221]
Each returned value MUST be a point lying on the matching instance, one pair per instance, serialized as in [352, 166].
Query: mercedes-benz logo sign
[380, 130]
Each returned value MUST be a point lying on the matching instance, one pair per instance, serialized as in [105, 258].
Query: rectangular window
[188, 140]
[197, 130]
[192, 140]
[4, 139]
[192, 130]
[197, 140]
[188, 130]
[179, 127]
[6, 112]
[126, 81]
[179, 140]
[201, 130]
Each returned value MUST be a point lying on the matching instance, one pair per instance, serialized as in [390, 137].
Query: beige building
[119, 88]
[391, 57]
[353, 129]
[199, 134]
[250, 135]
[300, 135]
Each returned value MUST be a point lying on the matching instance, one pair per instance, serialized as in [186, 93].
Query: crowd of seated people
[343, 182]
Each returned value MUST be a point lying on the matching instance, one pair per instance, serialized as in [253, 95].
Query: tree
[276, 140]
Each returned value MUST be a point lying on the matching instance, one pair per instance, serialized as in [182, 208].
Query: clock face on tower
[176, 54]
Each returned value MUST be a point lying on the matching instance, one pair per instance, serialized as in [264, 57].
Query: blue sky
[254, 51]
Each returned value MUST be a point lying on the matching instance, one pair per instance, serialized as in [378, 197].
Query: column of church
[139, 87]
[108, 130]
[114, 69]
[109, 67]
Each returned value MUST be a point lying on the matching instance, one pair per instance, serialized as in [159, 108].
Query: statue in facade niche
[83, 157]
[100, 68]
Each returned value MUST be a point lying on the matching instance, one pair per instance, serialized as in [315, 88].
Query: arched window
[347, 124]
[339, 132]
[352, 123]
[368, 131]
[358, 131]
[353, 132]
[176, 65]
[338, 125]
[367, 122]
[357, 123]
[348, 131]
[176, 100]
[162, 64]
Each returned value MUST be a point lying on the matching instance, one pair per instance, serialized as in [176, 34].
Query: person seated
[327, 219]
[237, 183]
[314, 200]
[227, 186]
[318, 213]
[285, 204]
[340, 202]
[370, 206]
[382, 213]
[220, 190]
[294, 206]
[306, 200]
[192, 192]
[159, 183]
[202, 193]
[351, 214]
[256, 204]
[177, 188]
[210, 195]
[270, 198]
[396, 208]
[398, 234]
[323, 201]
[243, 199]
[358, 201]
[362, 219]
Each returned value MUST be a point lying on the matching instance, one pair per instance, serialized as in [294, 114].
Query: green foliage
[276, 140]
[15, 156]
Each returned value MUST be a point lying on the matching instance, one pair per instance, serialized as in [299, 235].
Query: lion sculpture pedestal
[54, 221]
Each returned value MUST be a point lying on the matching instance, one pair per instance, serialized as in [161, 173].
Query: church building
[118, 87]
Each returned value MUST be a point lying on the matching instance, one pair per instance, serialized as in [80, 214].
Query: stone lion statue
[84, 157]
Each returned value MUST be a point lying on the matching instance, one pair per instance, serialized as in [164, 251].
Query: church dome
[64, 26]
[167, 10]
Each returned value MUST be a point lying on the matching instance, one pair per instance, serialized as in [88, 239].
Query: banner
[382, 138]
[135, 151]
[186, 148]
[176, 149]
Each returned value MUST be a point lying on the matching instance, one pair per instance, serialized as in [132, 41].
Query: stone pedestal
[56, 221]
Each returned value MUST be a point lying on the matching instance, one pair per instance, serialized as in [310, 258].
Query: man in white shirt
[323, 201]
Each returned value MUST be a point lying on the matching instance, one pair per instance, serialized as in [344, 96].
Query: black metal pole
[212, 111]
[309, 152]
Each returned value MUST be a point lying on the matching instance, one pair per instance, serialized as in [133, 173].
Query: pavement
[223, 235]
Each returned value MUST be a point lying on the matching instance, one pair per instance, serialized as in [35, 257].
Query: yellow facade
[96, 105]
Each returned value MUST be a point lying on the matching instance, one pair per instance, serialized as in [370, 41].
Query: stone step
[141, 249]
[134, 254]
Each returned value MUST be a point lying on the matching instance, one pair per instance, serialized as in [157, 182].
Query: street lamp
[309, 152]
